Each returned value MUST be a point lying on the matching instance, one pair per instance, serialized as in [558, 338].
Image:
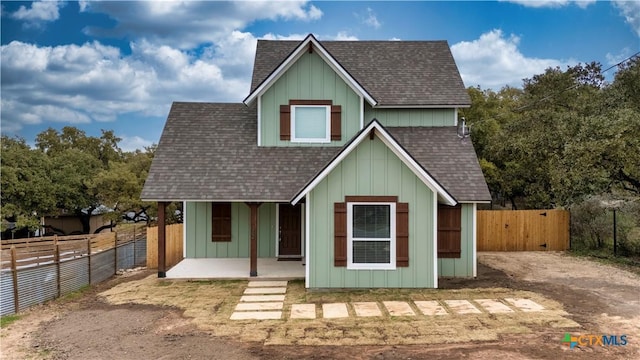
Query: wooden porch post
[162, 243]
[253, 271]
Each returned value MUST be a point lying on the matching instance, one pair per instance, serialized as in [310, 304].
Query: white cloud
[552, 3]
[370, 19]
[132, 143]
[631, 12]
[39, 11]
[613, 59]
[493, 61]
[343, 36]
[188, 24]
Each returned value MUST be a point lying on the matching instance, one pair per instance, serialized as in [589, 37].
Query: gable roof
[447, 158]
[208, 152]
[308, 44]
[397, 149]
[395, 73]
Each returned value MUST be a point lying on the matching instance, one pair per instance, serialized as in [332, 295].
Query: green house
[346, 156]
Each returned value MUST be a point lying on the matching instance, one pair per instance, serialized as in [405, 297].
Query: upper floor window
[311, 123]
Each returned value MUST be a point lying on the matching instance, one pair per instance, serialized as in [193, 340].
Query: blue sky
[119, 65]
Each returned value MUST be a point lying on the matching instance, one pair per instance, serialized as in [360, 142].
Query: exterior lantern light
[463, 129]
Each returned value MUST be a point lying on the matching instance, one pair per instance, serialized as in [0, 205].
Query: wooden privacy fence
[35, 270]
[523, 230]
[174, 251]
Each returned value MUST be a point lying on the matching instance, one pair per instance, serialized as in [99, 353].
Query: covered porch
[236, 268]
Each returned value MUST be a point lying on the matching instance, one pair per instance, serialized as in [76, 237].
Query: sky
[117, 65]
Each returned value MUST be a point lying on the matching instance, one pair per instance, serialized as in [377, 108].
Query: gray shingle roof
[393, 72]
[208, 152]
[451, 161]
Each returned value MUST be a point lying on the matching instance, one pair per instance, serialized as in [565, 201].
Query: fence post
[115, 252]
[56, 259]
[14, 273]
[89, 257]
[134, 246]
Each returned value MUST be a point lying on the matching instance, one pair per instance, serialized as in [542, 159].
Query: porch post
[162, 269]
[253, 270]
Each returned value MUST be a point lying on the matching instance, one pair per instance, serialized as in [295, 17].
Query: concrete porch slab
[525, 305]
[256, 315]
[236, 268]
[399, 308]
[431, 307]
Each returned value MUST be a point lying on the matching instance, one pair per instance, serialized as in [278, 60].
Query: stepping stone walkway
[260, 301]
[263, 300]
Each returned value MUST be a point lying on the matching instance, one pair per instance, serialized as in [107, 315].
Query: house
[344, 153]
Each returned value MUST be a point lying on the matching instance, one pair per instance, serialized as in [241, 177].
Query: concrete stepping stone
[256, 315]
[303, 311]
[399, 308]
[267, 284]
[525, 305]
[334, 311]
[493, 306]
[462, 307]
[366, 309]
[272, 290]
[261, 298]
[431, 307]
[253, 306]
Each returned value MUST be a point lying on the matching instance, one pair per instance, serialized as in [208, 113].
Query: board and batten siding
[198, 232]
[371, 169]
[411, 117]
[463, 266]
[309, 78]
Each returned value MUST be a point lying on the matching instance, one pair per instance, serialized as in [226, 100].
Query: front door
[289, 231]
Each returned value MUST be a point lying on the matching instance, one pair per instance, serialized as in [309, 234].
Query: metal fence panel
[74, 275]
[102, 266]
[36, 285]
[140, 257]
[7, 306]
[125, 256]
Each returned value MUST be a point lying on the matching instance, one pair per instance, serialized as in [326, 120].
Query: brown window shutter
[336, 122]
[449, 231]
[340, 234]
[402, 234]
[285, 122]
[221, 222]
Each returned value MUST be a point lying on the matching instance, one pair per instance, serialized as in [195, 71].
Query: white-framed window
[311, 123]
[371, 235]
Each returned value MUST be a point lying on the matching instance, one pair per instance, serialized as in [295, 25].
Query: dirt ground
[600, 299]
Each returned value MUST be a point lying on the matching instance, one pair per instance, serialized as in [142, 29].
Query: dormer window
[311, 123]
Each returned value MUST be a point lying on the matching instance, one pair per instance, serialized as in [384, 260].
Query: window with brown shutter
[221, 222]
[370, 242]
[449, 231]
[333, 116]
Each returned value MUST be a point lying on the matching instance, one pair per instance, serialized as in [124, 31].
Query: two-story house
[344, 154]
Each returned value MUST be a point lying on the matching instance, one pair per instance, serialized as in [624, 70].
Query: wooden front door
[289, 231]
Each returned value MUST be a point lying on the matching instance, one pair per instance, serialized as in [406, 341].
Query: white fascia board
[307, 242]
[435, 242]
[421, 106]
[475, 240]
[383, 135]
[475, 202]
[259, 120]
[295, 55]
[218, 200]
[184, 229]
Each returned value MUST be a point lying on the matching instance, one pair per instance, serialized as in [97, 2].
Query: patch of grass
[8, 319]
[606, 257]
[76, 294]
